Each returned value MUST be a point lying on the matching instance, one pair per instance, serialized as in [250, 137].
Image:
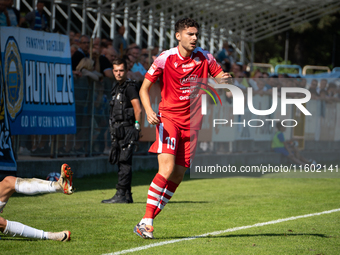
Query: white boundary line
[221, 232]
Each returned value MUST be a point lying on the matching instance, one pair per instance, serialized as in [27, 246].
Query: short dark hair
[119, 61]
[185, 23]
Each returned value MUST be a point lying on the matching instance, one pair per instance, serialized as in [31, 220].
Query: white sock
[18, 229]
[147, 221]
[2, 205]
[34, 186]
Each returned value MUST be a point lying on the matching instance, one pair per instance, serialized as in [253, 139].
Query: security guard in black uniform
[125, 116]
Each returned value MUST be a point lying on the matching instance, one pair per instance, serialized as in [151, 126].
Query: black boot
[128, 196]
[119, 197]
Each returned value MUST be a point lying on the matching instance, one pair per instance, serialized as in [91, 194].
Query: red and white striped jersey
[175, 73]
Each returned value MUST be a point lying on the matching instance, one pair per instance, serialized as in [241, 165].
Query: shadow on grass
[17, 239]
[188, 202]
[250, 235]
[109, 180]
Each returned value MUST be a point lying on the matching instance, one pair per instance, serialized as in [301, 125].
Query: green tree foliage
[311, 43]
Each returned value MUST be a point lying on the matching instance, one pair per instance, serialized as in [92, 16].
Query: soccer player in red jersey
[175, 139]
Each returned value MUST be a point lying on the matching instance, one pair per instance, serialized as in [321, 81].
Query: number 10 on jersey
[171, 143]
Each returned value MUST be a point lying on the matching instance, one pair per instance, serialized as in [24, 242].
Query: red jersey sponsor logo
[192, 64]
[187, 70]
[190, 78]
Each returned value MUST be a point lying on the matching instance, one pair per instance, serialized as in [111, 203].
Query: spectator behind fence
[314, 94]
[323, 85]
[86, 67]
[4, 17]
[71, 35]
[74, 48]
[267, 88]
[82, 52]
[332, 91]
[314, 84]
[288, 148]
[240, 77]
[225, 57]
[137, 66]
[105, 61]
[144, 60]
[131, 75]
[119, 42]
[76, 39]
[37, 19]
[13, 13]
[324, 96]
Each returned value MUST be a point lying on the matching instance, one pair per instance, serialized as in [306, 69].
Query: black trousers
[124, 174]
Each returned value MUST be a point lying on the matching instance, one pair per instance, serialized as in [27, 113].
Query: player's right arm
[145, 98]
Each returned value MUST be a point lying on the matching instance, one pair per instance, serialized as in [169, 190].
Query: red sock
[166, 196]
[155, 192]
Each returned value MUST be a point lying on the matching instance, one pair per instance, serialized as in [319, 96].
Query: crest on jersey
[175, 64]
[14, 80]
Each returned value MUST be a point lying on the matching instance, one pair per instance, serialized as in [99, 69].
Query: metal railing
[308, 67]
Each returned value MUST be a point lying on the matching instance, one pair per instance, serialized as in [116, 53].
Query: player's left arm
[223, 77]
[214, 68]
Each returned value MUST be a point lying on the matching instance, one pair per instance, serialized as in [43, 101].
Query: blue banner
[38, 82]
[7, 160]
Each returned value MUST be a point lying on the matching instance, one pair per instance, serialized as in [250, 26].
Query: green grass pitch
[199, 206]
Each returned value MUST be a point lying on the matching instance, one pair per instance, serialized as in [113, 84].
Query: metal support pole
[161, 33]
[99, 19]
[212, 38]
[150, 30]
[138, 27]
[172, 32]
[252, 55]
[83, 25]
[92, 119]
[17, 4]
[53, 15]
[221, 39]
[203, 37]
[113, 22]
[126, 23]
[286, 47]
[69, 18]
[243, 50]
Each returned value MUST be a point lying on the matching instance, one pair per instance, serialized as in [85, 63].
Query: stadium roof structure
[152, 22]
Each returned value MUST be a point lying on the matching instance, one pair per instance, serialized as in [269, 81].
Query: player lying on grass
[176, 135]
[26, 186]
